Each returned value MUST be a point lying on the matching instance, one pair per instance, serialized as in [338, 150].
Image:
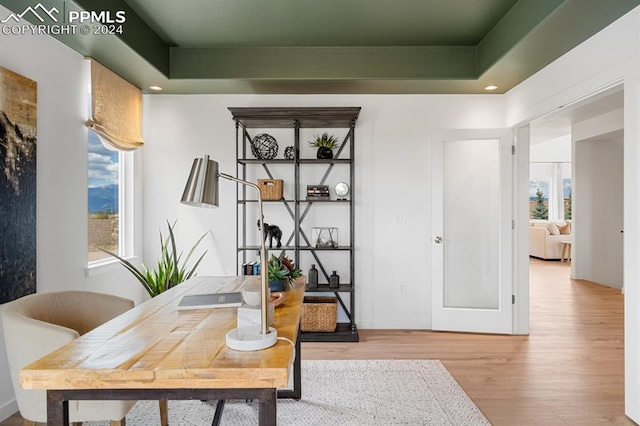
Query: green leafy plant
[540, 209]
[280, 268]
[276, 271]
[324, 140]
[169, 270]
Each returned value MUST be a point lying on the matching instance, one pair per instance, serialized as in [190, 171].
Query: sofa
[546, 236]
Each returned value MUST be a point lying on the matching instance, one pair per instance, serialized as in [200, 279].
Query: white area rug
[379, 392]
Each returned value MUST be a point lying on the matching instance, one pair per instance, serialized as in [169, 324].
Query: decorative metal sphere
[289, 153]
[264, 147]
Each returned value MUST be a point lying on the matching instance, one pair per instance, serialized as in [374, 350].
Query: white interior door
[472, 231]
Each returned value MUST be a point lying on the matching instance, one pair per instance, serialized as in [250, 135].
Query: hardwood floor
[568, 371]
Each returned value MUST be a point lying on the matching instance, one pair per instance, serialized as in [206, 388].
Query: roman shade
[116, 109]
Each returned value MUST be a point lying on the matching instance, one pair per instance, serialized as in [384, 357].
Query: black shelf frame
[345, 332]
[298, 241]
[324, 288]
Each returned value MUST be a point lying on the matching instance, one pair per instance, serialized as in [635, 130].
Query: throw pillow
[553, 229]
[565, 230]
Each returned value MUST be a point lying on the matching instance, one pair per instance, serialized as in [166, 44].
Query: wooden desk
[156, 352]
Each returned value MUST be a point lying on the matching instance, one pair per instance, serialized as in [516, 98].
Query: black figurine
[272, 231]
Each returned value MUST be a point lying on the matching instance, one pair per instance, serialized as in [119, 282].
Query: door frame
[521, 320]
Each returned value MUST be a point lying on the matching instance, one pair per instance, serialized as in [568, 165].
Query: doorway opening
[587, 138]
[576, 157]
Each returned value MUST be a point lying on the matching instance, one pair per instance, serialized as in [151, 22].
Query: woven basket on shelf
[319, 314]
[270, 189]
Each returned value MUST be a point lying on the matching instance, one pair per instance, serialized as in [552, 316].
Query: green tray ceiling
[335, 46]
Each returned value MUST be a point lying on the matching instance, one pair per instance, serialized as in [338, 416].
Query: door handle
[438, 240]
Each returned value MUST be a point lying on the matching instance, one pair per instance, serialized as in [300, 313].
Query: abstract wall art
[18, 116]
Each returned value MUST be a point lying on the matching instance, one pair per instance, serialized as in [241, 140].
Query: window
[539, 198]
[104, 199]
[550, 190]
[567, 197]
[115, 111]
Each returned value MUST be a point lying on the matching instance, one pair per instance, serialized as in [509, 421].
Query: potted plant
[169, 271]
[279, 270]
[325, 144]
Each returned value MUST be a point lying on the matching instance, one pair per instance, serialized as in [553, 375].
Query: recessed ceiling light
[491, 87]
[156, 88]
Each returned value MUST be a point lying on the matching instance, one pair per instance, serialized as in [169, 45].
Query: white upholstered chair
[37, 324]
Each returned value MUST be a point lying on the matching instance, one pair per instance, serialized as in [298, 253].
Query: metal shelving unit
[299, 242]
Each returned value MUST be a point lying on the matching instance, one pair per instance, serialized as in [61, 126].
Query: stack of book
[251, 268]
[318, 192]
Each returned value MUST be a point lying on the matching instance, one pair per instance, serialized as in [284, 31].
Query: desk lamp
[202, 191]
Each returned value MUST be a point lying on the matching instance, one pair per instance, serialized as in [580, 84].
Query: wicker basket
[270, 189]
[319, 314]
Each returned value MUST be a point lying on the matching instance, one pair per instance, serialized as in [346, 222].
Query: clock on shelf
[341, 189]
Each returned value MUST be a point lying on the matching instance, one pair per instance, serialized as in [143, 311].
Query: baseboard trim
[576, 277]
[393, 325]
[8, 410]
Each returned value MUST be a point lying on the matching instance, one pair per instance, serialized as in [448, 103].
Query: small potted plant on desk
[280, 270]
[325, 144]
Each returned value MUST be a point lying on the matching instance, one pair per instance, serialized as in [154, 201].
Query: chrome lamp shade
[201, 189]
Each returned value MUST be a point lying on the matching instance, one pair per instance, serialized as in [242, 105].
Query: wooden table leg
[164, 412]
[566, 252]
[267, 408]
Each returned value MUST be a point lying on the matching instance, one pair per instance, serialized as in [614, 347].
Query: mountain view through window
[104, 196]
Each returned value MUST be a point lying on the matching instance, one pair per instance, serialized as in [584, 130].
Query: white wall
[599, 200]
[597, 251]
[392, 177]
[62, 80]
[556, 150]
